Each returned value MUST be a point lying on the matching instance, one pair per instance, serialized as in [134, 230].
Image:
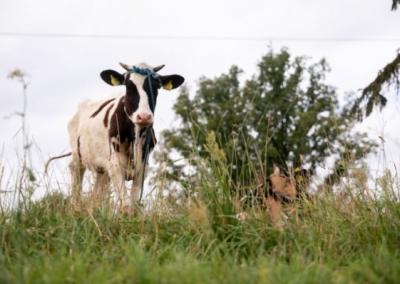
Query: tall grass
[349, 237]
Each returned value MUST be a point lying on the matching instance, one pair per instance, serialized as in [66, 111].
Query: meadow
[351, 236]
[204, 221]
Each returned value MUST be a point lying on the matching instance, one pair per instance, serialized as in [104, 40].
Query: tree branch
[389, 75]
[395, 3]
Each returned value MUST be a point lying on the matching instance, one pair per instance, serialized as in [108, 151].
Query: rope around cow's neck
[149, 74]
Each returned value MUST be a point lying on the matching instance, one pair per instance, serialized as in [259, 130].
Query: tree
[371, 95]
[285, 115]
[394, 4]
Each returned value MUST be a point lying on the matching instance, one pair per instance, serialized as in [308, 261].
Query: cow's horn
[125, 66]
[158, 68]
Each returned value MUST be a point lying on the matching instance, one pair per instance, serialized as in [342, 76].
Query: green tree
[372, 96]
[284, 115]
[395, 4]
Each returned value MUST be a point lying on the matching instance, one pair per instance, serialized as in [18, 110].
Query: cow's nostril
[139, 117]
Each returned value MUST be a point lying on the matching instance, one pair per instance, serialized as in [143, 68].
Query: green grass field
[328, 239]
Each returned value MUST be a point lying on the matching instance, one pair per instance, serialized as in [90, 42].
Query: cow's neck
[121, 127]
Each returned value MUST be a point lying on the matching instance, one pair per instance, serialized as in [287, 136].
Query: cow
[113, 137]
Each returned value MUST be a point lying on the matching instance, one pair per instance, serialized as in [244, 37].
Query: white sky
[64, 71]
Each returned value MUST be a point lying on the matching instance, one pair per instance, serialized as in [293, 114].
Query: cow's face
[141, 90]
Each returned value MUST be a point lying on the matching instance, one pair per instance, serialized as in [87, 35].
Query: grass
[327, 239]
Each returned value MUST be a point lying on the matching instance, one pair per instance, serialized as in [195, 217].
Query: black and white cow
[109, 137]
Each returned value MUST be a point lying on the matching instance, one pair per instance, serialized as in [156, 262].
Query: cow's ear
[112, 77]
[171, 81]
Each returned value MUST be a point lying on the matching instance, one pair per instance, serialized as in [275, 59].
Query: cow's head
[142, 83]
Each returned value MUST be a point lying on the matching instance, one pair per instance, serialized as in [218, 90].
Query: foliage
[284, 115]
[394, 4]
[372, 94]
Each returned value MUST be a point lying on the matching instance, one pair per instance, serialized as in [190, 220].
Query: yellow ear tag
[168, 86]
[114, 81]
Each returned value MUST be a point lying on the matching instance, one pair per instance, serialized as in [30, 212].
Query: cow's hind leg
[77, 172]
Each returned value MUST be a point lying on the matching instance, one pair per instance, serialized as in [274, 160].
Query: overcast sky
[192, 38]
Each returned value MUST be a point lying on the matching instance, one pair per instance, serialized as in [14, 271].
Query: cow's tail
[46, 166]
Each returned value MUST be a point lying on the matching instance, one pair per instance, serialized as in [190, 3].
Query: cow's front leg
[138, 166]
[136, 186]
[117, 172]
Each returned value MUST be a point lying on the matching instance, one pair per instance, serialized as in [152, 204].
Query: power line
[199, 37]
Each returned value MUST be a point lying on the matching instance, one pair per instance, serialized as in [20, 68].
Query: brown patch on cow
[78, 142]
[103, 105]
[105, 120]
[121, 130]
[121, 127]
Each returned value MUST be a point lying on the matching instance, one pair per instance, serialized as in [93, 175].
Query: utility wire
[199, 38]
